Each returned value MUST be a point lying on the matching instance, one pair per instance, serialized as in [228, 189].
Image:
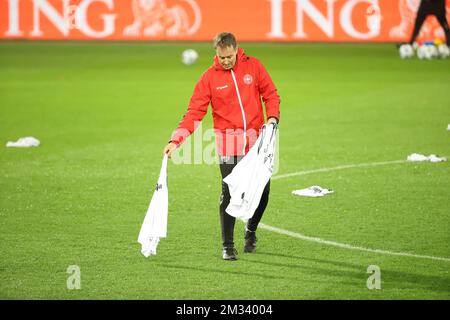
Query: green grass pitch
[104, 111]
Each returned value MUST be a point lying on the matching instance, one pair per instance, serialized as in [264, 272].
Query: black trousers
[431, 7]
[226, 221]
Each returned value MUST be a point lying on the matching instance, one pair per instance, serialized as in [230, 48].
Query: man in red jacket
[234, 86]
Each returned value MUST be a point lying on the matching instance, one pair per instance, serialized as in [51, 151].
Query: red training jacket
[235, 96]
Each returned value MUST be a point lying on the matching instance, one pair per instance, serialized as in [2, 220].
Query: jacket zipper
[242, 110]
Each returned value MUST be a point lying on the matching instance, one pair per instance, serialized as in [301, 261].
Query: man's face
[226, 56]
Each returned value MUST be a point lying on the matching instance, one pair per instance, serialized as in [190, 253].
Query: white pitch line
[348, 166]
[344, 245]
[337, 244]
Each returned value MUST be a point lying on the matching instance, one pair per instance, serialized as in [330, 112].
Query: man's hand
[272, 120]
[169, 149]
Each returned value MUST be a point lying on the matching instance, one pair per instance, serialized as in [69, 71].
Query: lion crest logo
[164, 18]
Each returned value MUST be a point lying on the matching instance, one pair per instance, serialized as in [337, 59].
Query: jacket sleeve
[198, 106]
[268, 93]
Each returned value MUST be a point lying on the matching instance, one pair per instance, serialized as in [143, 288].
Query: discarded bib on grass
[421, 157]
[25, 142]
[313, 191]
[154, 226]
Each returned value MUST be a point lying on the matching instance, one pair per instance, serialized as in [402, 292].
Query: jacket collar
[240, 58]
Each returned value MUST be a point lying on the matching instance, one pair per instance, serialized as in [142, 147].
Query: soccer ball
[406, 51]
[424, 52]
[433, 51]
[444, 51]
[189, 56]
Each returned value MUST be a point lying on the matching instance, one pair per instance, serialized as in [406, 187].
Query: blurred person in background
[431, 7]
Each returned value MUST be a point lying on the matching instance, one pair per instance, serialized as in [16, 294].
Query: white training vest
[249, 177]
[154, 226]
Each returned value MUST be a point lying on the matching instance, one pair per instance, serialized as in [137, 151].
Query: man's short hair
[225, 39]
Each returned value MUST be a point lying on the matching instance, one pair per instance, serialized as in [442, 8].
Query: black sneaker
[229, 253]
[250, 241]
